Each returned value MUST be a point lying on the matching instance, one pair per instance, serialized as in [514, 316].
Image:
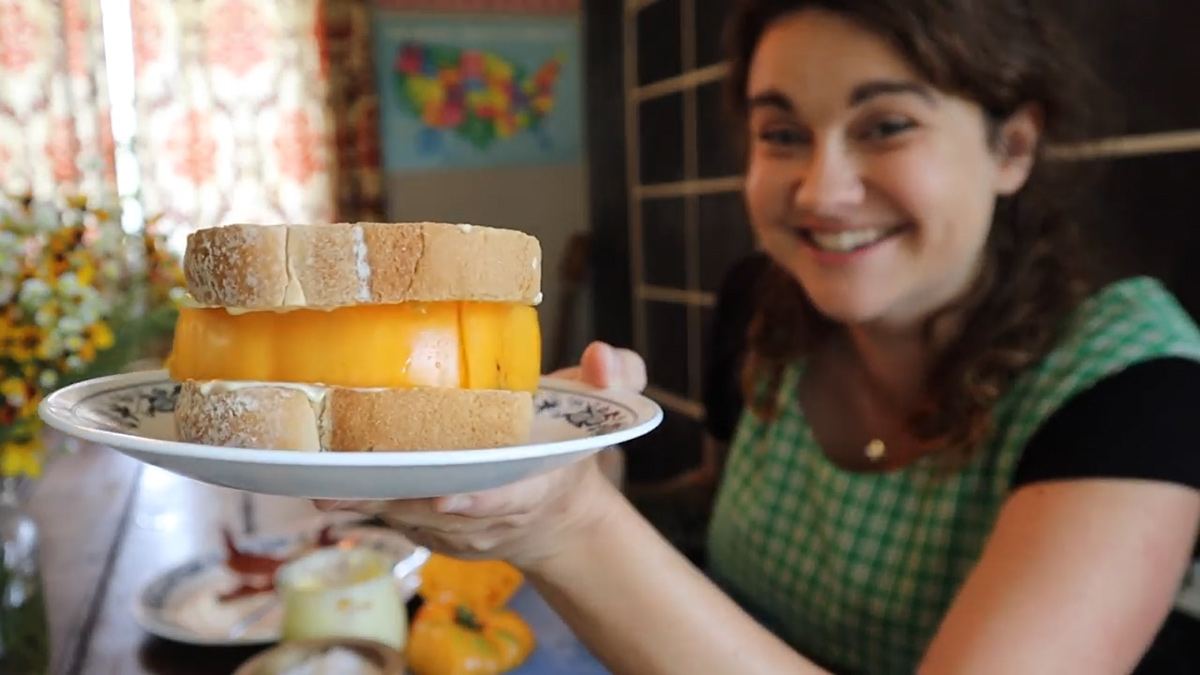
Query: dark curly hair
[1002, 54]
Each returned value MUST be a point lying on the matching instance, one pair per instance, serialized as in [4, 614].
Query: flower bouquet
[80, 297]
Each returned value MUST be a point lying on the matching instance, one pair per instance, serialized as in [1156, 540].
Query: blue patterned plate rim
[608, 417]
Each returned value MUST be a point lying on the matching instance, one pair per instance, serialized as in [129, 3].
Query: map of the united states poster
[472, 92]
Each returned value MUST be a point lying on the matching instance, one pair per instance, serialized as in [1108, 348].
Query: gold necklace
[875, 450]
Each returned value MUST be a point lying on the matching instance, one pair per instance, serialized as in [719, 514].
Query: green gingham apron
[856, 570]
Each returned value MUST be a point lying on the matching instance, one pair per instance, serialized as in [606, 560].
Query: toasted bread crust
[312, 418]
[261, 267]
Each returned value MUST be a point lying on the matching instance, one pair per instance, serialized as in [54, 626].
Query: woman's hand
[529, 521]
[607, 367]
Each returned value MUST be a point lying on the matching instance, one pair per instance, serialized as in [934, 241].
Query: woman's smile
[844, 245]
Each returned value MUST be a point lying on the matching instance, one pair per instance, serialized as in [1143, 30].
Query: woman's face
[873, 189]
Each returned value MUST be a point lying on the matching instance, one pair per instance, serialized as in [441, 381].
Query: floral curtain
[55, 135]
[232, 124]
[246, 110]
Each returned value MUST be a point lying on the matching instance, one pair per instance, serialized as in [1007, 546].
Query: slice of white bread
[263, 267]
[285, 416]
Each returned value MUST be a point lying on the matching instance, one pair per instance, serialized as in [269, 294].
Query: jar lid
[332, 568]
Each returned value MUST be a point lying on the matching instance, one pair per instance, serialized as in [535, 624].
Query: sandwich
[358, 337]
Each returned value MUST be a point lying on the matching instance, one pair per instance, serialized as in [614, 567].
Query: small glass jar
[342, 592]
[24, 627]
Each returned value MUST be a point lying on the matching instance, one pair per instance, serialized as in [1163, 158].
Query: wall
[670, 199]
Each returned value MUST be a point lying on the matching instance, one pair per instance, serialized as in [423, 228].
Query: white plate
[134, 413]
[182, 603]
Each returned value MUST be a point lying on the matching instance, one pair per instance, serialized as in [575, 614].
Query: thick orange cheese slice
[467, 345]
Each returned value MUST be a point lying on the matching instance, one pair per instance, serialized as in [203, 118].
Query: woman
[956, 456]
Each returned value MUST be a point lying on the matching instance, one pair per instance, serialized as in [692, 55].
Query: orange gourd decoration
[463, 627]
[448, 638]
[479, 584]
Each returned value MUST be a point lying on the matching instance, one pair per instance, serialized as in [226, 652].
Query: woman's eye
[887, 128]
[783, 136]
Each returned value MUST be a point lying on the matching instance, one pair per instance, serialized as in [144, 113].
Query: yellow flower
[25, 458]
[22, 343]
[31, 405]
[100, 335]
[15, 391]
[85, 272]
[77, 202]
[67, 239]
[9, 316]
[96, 338]
[55, 265]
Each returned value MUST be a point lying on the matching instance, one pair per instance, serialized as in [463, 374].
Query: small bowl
[291, 653]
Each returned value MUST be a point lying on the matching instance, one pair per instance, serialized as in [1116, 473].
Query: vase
[24, 626]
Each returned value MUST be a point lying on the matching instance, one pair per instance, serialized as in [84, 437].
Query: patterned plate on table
[134, 413]
[193, 602]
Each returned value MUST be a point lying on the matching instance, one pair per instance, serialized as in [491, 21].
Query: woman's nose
[827, 181]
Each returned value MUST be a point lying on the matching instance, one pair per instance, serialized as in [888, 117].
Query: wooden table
[110, 524]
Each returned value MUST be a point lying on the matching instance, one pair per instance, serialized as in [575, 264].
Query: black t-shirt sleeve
[1138, 423]
[726, 342]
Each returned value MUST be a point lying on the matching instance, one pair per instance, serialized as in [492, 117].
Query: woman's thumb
[606, 367]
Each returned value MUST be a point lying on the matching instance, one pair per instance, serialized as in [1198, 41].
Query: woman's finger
[501, 502]
[607, 367]
[415, 535]
[632, 370]
[416, 510]
[367, 507]
[465, 545]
